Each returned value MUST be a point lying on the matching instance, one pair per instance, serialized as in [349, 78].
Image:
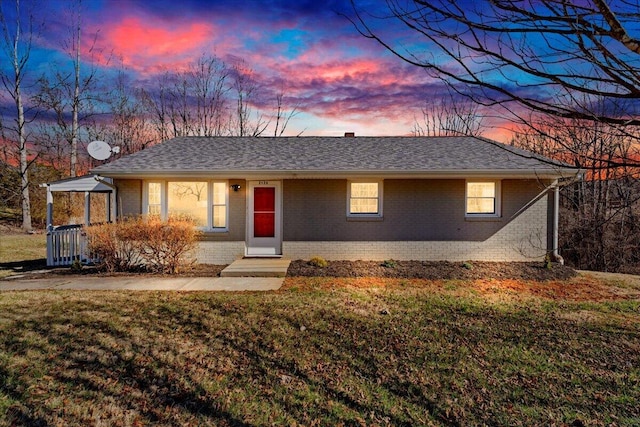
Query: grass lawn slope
[326, 351]
[20, 252]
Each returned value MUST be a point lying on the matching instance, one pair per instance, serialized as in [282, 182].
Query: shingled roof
[283, 157]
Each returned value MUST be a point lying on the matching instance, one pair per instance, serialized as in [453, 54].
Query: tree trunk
[14, 86]
[24, 164]
[76, 106]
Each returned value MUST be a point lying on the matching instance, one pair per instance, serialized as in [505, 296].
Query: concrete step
[257, 267]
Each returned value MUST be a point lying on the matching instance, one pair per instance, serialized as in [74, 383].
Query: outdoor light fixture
[236, 187]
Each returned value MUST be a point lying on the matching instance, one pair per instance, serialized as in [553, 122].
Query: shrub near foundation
[144, 244]
[115, 246]
[168, 244]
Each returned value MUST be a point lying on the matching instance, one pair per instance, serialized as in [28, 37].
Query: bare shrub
[167, 245]
[115, 245]
[143, 243]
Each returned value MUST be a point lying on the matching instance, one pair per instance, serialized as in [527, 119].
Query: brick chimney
[349, 134]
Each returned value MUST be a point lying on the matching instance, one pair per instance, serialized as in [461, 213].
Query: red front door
[264, 212]
[264, 218]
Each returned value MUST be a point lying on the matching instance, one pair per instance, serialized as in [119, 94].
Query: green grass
[323, 353]
[22, 247]
[21, 251]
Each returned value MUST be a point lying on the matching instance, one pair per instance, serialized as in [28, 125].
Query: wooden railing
[66, 244]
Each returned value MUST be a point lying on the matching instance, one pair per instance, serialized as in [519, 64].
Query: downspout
[555, 186]
[556, 221]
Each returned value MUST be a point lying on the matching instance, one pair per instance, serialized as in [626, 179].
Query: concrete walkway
[257, 267]
[133, 283]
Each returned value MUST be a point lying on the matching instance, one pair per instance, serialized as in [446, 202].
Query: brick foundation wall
[219, 252]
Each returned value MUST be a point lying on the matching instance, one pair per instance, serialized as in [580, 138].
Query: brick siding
[523, 239]
[219, 252]
[129, 197]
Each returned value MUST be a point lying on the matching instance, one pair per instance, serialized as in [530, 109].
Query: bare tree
[128, 126]
[548, 56]
[600, 213]
[245, 88]
[449, 116]
[156, 104]
[191, 102]
[211, 99]
[69, 95]
[208, 77]
[283, 116]
[74, 49]
[17, 47]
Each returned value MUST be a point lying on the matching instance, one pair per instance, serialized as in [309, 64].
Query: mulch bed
[431, 270]
[434, 270]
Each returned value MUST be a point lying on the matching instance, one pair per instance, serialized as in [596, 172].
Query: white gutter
[297, 174]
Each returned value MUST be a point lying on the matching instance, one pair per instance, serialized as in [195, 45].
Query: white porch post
[114, 204]
[108, 196]
[49, 209]
[49, 227]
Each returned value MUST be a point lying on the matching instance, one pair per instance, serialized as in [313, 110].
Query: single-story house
[367, 198]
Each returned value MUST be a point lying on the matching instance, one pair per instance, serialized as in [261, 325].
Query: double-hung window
[204, 202]
[154, 198]
[219, 206]
[364, 199]
[483, 198]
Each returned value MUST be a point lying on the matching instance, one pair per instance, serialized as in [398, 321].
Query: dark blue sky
[339, 80]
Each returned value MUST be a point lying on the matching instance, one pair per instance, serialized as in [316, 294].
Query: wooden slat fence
[66, 244]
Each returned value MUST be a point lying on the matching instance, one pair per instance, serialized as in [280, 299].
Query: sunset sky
[339, 80]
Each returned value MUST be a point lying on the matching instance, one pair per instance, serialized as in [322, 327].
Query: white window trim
[380, 198]
[164, 204]
[163, 197]
[498, 199]
[211, 205]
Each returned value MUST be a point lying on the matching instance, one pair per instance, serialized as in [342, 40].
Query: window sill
[212, 234]
[481, 218]
[365, 218]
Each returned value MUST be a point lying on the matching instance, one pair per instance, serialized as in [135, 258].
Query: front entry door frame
[264, 246]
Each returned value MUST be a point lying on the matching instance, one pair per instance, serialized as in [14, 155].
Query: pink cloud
[151, 45]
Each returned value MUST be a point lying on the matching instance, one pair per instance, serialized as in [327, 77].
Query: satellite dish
[100, 150]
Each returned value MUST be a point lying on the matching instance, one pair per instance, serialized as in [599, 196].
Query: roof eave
[559, 173]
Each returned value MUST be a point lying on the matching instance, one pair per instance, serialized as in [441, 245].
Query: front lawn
[20, 252]
[326, 351]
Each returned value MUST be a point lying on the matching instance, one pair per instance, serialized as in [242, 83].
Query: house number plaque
[263, 182]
